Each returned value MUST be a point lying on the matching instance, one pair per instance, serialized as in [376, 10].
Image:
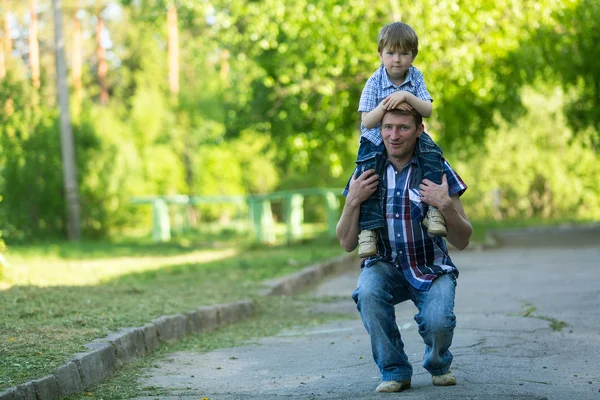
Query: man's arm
[359, 190]
[458, 226]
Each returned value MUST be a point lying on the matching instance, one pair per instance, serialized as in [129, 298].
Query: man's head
[400, 130]
[398, 36]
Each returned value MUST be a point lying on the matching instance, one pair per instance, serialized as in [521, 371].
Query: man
[410, 264]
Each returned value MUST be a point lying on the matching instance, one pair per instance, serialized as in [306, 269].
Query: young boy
[396, 84]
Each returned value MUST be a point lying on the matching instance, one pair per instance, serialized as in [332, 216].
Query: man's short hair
[416, 116]
[398, 36]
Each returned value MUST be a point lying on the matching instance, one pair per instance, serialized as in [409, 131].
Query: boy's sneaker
[393, 386]
[434, 222]
[444, 380]
[367, 243]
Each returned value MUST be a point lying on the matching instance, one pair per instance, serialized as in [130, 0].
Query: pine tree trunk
[5, 34]
[173, 55]
[7, 38]
[76, 62]
[34, 47]
[101, 59]
[66, 131]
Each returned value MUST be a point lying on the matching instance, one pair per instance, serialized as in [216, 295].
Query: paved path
[499, 354]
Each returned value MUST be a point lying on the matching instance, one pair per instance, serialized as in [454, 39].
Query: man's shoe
[434, 222]
[444, 380]
[367, 243]
[393, 386]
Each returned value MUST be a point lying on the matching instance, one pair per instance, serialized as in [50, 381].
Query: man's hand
[435, 195]
[361, 188]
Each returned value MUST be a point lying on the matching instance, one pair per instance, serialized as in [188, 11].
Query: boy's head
[398, 36]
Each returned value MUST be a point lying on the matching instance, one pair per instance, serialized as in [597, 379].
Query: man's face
[400, 134]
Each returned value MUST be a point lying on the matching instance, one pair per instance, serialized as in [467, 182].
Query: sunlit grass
[128, 284]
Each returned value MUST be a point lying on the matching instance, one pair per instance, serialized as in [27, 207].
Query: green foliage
[521, 175]
[268, 98]
[564, 49]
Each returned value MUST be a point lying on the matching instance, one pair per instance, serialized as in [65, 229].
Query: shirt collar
[413, 161]
[386, 82]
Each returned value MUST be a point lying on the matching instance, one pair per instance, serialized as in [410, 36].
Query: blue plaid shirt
[403, 241]
[379, 86]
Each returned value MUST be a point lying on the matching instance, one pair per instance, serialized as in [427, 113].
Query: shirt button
[398, 193]
[400, 252]
[396, 172]
[398, 235]
[397, 215]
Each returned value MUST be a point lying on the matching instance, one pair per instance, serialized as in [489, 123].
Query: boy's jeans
[380, 287]
[371, 156]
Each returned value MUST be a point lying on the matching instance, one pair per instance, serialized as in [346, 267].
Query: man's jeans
[380, 287]
[371, 156]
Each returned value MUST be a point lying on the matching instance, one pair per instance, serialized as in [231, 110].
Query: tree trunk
[66, 131]
[173, 40]
[34, 47]
[77, 57]
[224, 65]
[7, 38]
[101, 58]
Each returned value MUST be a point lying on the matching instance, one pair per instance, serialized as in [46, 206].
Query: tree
[66, 137]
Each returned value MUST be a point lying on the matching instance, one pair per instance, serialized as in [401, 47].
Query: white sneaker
[367, 243]
[434, 222]
[393, 386]
[444, 380]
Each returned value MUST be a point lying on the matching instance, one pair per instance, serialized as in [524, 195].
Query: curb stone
[309, 276]
[86, 370]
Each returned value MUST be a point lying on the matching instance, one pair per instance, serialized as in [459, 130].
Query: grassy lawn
[57, 297]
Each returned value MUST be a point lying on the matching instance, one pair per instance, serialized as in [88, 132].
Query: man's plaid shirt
[404, 243]
[379, 86]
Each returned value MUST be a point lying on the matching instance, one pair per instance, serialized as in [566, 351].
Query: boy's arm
[394, 100]
[372, 118]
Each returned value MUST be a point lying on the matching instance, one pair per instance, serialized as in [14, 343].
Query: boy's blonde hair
[398, 36]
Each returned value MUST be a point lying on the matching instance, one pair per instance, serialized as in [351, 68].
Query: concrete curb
[86, 370]
[309, 276]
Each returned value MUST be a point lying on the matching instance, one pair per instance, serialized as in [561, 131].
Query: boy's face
[396, 62]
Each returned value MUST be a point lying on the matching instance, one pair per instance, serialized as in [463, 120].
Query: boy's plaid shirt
[404, 243]
[379, 86]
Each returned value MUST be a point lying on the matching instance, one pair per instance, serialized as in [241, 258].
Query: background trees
[267, 99]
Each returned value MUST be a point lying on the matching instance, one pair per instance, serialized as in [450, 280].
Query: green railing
[259, 211]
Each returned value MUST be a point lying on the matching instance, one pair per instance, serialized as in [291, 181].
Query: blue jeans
[380, 287]
[371, 156]
[430, 159]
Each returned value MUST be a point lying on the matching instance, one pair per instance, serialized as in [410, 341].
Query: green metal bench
[259, 209]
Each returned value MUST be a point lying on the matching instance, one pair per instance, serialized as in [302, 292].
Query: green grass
[67, 297]
[273, 315]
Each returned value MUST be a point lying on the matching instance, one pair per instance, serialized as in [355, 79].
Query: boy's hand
[395, 99]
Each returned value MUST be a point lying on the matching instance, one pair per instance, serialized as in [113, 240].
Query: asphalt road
[528, 327]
